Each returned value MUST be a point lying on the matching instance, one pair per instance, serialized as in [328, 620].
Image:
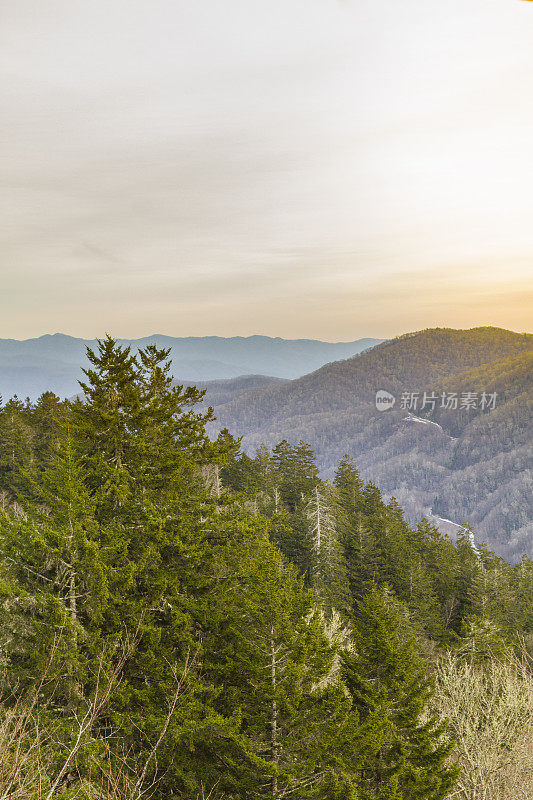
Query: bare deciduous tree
[490, 713]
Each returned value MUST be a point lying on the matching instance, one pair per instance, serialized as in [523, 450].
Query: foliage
[181, 620]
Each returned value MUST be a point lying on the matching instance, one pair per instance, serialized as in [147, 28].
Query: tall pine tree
[385, 672]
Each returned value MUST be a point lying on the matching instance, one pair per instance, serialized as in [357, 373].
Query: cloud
[196, 167]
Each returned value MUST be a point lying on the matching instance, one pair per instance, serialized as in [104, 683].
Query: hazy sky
[321, 168]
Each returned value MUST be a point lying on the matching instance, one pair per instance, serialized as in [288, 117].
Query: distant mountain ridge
[54, 361]
[473, 466]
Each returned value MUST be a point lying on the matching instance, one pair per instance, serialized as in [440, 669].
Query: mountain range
[54, 362]
[469, 465]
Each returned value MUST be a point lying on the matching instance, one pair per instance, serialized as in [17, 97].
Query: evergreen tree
[385, 672]
[55, 563]
[274, 663]
[439, 557]
[15, 444]
[467, 568]
[47, 418]
[328, 568]
[355, 534]
[481, 640]
[296, 472]
[143, 445]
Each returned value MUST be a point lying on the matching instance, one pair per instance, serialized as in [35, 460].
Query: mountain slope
[472, 466]
[54, 362]
[223, 391]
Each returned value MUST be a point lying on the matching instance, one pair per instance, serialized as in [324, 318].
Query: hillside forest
[471, 465]
[181, 620]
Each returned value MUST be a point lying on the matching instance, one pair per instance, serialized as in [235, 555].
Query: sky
[329, 169]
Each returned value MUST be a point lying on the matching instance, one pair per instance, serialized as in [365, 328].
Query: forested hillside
[182, 621]
[222, 391]
[472, 467]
